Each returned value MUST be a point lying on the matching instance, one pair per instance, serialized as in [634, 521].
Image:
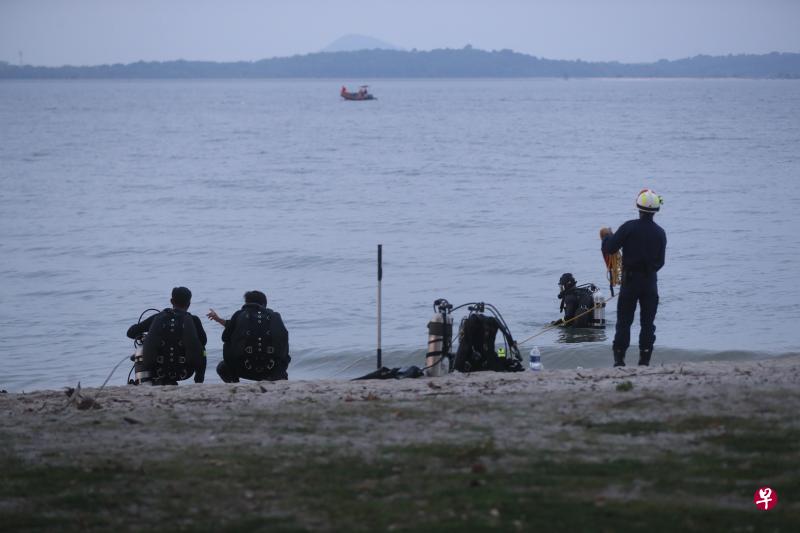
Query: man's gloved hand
[556, 322]
[605, 232]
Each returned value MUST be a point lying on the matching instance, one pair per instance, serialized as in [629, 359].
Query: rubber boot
[644, 356]
[619, 357]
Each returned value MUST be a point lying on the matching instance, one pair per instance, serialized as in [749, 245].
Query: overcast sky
[87, 32]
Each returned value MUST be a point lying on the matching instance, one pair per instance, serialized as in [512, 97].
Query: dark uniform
[643, 244]
[196, 338]
[236, 364]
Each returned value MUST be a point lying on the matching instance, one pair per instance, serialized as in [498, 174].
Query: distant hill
[354, 43]
[443, 63]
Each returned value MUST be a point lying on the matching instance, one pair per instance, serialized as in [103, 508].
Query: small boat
[361, 94]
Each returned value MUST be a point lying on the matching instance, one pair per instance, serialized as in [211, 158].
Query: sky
[91, 32]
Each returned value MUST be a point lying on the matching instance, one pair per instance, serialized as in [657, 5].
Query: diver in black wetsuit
[174, 333]
[643, 244]
[255, 342]
[574, 301]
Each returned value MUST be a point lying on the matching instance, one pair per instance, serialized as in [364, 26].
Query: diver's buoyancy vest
[476, 352]
[172, 345]
[260, 350]
[585, 302]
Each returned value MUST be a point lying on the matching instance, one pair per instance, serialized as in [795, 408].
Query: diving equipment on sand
[476, 348]
[440, 339]
[477, 334]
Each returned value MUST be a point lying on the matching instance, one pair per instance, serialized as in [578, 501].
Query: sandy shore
[659, 448]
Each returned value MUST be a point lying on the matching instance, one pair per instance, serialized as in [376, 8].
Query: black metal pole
[380, 277]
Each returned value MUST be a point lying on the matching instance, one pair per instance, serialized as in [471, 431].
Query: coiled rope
[614, 270]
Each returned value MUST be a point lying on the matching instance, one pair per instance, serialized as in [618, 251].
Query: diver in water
[255, 342]
[174, 342]
[575, 302]
[643, 244]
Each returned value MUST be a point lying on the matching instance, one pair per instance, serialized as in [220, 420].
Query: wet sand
[663, 447]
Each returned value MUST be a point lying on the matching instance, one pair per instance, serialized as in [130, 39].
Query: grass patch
[625, 386]
[466, 481]
[630, 427]
[471, 487]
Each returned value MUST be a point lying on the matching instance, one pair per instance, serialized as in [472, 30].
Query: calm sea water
[113, 192]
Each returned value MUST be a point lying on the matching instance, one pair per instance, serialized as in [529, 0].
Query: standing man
[255, 342]
[643, 244]
[174, 347]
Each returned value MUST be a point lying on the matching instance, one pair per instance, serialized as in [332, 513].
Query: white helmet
[648, 201]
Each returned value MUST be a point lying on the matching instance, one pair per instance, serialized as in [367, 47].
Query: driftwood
[76, 398]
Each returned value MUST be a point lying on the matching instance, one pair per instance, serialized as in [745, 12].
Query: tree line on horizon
[466, 62]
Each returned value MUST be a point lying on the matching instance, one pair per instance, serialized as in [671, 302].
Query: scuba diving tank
[599, 313]
[440, 339]
[141, 374]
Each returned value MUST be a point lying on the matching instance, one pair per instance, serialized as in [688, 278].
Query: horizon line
[394, 51]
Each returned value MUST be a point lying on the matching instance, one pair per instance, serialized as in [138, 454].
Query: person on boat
[174, 342]
[643, 244]
[575, 301]
[255, 342]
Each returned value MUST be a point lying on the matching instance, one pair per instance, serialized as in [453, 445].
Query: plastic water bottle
[536, 359]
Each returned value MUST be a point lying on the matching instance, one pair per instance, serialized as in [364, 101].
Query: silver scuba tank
[141, 374]
[440, 340]
[599, 314]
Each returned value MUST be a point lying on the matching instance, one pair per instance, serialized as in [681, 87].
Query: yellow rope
[564, 323]
[614, 266]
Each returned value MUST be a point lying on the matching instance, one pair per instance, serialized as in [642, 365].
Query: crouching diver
[255, 342]
[174, 342]
[643, 244]
[575, 301]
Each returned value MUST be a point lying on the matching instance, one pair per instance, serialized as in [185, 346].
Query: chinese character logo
[765, 498]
